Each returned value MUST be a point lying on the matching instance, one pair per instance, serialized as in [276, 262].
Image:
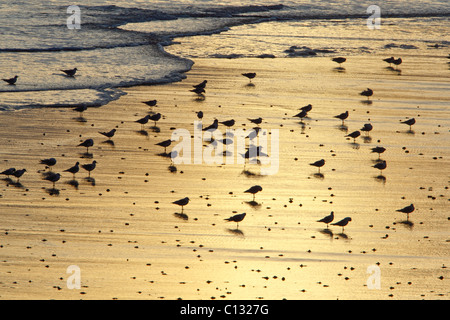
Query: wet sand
[130, 242]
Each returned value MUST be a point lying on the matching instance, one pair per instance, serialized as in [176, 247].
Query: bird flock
[200, 91]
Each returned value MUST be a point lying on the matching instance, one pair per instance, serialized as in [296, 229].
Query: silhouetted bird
[409, 122]
[164, 144]
[342, 116]
[253, 190]
[320, 163]
[367, 93]
[49, 162]
[380, 165]
[237, 218]
[87, 144]
[90, 167]
[256, 121]
[307, 108]
[8, 172]
[397, 62]
[150, 103]
[80, 109]
[378, 150]
[249, 75]
[182, 202]
[200, 114]
[367, 128]
[328, 219]
[228, 123]
[201, 85]
[70, 72]
[11, 81]
[354, 135]
[108, 134]
[53, 177]
[19, 173]
[342, 223]
[407, 210]
[389, 60]
[155, 117]
[213, 126]
[143, 120]
[73, 170]
[302, 114]
[339, 60]
[198, 91]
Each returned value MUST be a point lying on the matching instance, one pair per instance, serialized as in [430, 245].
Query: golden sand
[130, 242]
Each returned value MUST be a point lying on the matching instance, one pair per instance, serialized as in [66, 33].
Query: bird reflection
[142, 133]
[110, 142]
[368, 102]
[343, 128]
[407, 223]
[90, 180]
[343, 236]
[80, 119]
[86, 155]
[236, 232]
[74, 183]
[172, 168]
[182, 216]
[251, 174]
[380, 178]
[52, 191]
[339, 69]
[155, 129]
[319, 175]
[253, 204]
[327, 232]
[367, 139]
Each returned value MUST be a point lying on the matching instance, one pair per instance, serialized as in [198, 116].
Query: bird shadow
[155, 129]
[109, 142]
[142, 133]
[251, 174]
[200, 97]
[74, 183]
[342, 128]
[343, 236]
[253, 204]
[86, 155]
[52, 191]
[392, 69]
[236, 232]
[250, 85]
[380, 178]
[367, 101]
[17, 184]
[80, 119]
[408, 224]
[327, 232]
[90, 180]
[181, 216]
[172, 168]
[339, 69]
[319, 175]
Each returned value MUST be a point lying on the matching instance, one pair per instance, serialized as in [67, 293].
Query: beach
[120, 227]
